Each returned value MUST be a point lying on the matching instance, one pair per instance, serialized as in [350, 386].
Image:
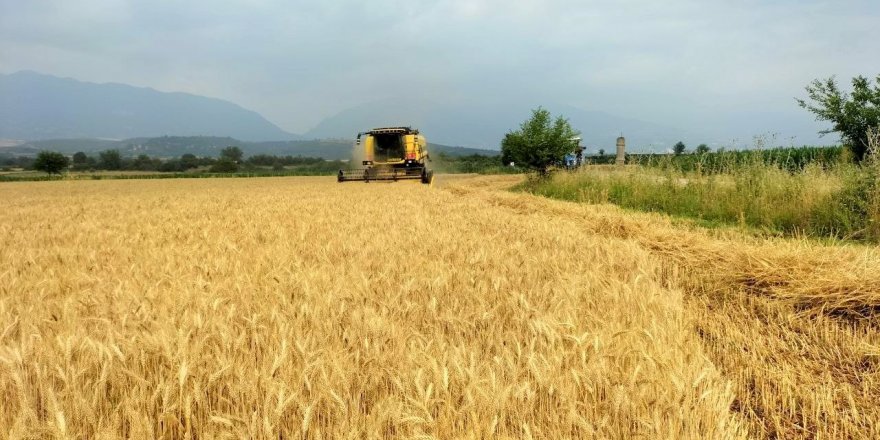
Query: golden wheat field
[303, 308]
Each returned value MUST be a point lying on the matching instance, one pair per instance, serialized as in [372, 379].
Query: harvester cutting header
[390, 153]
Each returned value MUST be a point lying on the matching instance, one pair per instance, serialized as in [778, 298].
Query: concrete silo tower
[621, 151]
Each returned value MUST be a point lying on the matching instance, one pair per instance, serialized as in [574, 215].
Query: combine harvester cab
[390, 153]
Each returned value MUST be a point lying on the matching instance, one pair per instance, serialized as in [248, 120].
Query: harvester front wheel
[427, 176]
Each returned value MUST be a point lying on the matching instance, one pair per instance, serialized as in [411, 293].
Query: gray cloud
[732, 68]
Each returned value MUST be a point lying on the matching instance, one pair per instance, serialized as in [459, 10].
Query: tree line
[230, 160]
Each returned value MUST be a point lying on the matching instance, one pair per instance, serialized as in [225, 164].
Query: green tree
[224, 165]
[601, 152]
[51, 162]
[540, 142]
[679, 148]
[232, 153]
[110, 160]
[505, 158]
[188, 161]
[702, 149]
[171, 166]
[145, 163]
[81, 162]
[851, 115]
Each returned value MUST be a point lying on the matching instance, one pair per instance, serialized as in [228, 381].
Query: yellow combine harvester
[391, 153]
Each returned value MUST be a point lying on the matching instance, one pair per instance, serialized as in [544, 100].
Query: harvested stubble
[297, 307]
[792, 323]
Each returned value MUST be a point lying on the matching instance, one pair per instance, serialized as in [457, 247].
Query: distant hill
[174, 146]
[36, 106]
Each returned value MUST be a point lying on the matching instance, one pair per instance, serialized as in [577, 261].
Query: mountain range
[35, 107]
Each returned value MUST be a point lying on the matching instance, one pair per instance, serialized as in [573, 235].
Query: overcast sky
[733, 65]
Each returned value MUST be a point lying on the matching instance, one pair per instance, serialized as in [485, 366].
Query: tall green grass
[839, 200]
[786, 158]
